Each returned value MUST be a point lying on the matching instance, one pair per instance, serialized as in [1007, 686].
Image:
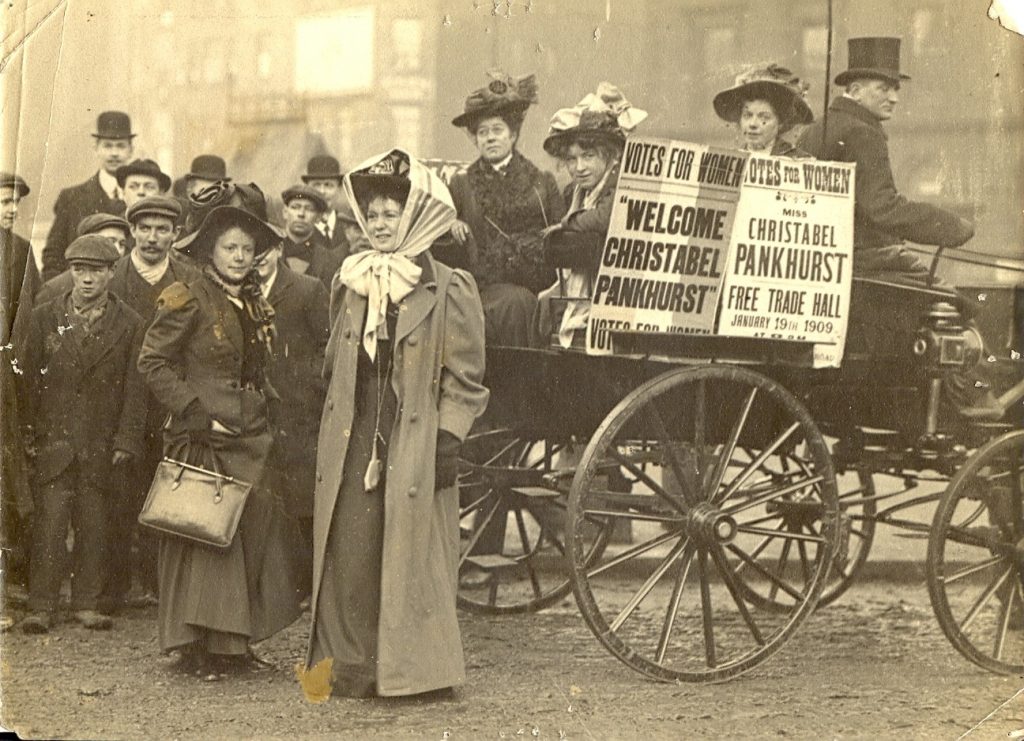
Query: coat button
[233, 384]
[414, 416]
[412, 491]
[319, 477]
[347, 333]
[330, 403]
[413, 339]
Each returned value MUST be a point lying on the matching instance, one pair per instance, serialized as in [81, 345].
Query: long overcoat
[437, 377]
[74, 204]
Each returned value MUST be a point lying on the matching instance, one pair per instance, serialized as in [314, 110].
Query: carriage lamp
[944, 342]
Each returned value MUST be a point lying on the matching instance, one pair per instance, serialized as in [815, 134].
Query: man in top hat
[883, 218]
[16, 266]
[206, 170]
[82, 420]
[114, 228]
[323, 174]
[113, 145]
[306, 250]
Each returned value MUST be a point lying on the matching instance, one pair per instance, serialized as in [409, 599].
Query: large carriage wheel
[975, 561]
[677, 603]
[512, 519]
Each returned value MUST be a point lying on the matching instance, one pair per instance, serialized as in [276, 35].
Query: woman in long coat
[406, 364]
[504, 202]
[765, 102]
[203, 357]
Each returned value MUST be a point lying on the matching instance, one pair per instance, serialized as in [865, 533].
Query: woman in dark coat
[503, 202]
[203, 357]
[406, 364]
[765, 102]
[588, 140]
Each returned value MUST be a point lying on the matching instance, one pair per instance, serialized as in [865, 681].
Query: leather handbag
[190, 502]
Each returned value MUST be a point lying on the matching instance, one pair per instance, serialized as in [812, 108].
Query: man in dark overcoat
[100, 193]
[883, 218]
[16, 504]
[83, 416]
[323, 174]
[296, 372]
[306, 250]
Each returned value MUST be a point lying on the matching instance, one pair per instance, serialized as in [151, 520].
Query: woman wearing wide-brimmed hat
[203, 357]
[588, 139]
[503, 202]
[765, 101]
[406, 364]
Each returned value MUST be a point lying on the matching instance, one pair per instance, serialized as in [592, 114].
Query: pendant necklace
[372, 478]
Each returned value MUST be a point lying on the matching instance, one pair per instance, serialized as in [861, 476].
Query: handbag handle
[218, 477]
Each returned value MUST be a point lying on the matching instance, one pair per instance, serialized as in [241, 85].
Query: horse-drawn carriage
[701, 495]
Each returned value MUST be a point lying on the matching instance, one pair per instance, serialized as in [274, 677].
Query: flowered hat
[771, 82]
[504, 94]
[605, 113]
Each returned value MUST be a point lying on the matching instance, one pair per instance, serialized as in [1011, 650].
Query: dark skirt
[348, 606]
[225, 600]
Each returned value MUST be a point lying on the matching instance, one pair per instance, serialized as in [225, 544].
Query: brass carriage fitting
[708, 524]
[944, 342]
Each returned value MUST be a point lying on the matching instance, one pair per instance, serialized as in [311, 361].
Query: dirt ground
[874, 665]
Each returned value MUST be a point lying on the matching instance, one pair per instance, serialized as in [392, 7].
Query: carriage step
[537, 492]
[492, 562]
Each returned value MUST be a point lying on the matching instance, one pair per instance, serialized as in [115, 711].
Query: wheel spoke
[983, 600]
[972, 569]
[758, 549]
[769, 496]
[767, 574]
[527, 551]
[756, 463]
[680, 507]
[730, 444]
[631, 552]
[773, 591]
[676, 464]
[1004, 623]
[705, 604]
[645, 589]
[805, 567]
[730, 583]
[480, 530]
[673, 603]
[780, 534]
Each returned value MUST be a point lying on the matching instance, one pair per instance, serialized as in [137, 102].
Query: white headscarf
[391, 276]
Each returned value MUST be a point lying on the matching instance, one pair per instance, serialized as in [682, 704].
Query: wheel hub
[710, 526]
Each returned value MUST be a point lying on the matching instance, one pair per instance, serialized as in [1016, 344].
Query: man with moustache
[81, 421]
[100, 193]
[306, 250]
[295, 371]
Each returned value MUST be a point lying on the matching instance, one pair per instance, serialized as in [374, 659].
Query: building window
[408, 126]
[334, 52]
[814, 47]
[406, 45]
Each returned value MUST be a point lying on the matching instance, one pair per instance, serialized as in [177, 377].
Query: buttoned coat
[72, 205]
[83, 399]
[295, 370]
[882, 217]
[437, 377]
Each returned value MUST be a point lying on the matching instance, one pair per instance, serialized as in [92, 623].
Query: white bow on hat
[606, 108]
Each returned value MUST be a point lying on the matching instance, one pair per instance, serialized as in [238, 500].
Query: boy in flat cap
[83, 415]
[100, 193]
[306, 250]
[112, 227]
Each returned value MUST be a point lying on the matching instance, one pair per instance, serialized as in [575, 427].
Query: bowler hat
[113, 125]
[154, 206]
[94, 222]
[91, 249]
[199, 245]
[208, 167]
[503, 95]
[143, 167]
[304, 191]
[874, 57]
[322, 167]
[770, 82]
[10, 180]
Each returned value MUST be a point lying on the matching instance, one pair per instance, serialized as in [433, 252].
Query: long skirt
[348, 606]
[225, 600]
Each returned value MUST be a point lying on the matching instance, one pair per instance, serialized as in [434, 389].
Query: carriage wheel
[512, 524]
[855, 535]
[699, 515]
[975, 561]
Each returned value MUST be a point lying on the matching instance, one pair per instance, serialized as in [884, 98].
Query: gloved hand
[197, 422]
[446, 466]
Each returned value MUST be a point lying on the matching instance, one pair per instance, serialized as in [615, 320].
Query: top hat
[94, 222]
[91, 249]
[504, 94]
[113, 125]
[200, 244]
[208, 167]
[154, 206]
[770, 82]
[322, 167]
[10, 180]
[304, 191]
[874, 57]
[143, 167]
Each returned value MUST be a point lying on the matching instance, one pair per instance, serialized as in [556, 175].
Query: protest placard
[790, 264]
[664, 256]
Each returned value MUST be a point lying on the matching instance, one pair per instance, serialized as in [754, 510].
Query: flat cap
[10, 180]
[94, 222]
[154, 206]
[304, 191]
[91, 249]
